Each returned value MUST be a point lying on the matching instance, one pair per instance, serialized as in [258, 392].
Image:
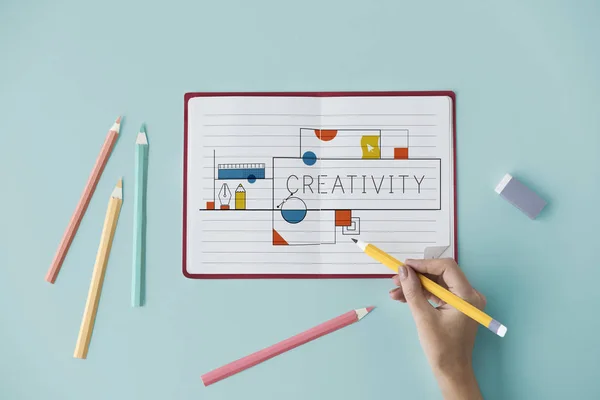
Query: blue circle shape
[293, 211]
[251, 178]
[309, 158]
[293, 216]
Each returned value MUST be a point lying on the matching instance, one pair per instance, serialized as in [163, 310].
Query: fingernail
[402, 273]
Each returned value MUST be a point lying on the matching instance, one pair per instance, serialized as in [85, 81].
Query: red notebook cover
[189, 96]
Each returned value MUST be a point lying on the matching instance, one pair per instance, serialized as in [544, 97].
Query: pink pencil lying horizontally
[256, 358]
[86, 196]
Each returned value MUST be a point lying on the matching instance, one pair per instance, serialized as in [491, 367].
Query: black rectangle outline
[439, 160]
[341, 129]
[381, 136]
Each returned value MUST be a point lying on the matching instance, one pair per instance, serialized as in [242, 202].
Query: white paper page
[407, 215]
[302, 176]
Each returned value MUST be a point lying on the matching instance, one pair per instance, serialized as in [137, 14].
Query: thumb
[413, 292]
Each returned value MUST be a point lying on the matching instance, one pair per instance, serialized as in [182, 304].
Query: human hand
[447, 335]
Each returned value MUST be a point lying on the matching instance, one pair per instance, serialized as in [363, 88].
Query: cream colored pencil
[91, 306]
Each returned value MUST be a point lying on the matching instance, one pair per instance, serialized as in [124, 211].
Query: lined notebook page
[280, 185]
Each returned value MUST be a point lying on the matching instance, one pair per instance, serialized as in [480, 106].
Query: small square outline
[346, 230]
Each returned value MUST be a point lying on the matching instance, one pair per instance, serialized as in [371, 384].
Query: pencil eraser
[519, 195]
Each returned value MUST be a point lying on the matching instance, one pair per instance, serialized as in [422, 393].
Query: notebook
[277, 184]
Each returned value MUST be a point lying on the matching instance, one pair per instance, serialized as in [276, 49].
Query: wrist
[459, 383]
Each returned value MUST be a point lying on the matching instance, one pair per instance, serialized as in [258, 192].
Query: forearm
[459, 384]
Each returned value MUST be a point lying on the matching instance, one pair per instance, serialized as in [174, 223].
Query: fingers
[413, 293]
[453, 276]
[434, 298]
[482, 300]
[397, 294]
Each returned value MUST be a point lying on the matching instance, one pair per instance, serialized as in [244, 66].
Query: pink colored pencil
[256, 358]
[84, 201]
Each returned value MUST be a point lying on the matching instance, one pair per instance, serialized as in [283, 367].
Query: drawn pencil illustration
[240, 198]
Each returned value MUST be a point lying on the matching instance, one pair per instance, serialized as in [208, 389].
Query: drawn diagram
[335, 177]
[353, 228]
[240, 197]
[251, 172]
[224, 197]
[293, 210]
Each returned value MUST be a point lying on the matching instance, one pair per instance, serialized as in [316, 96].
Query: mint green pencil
[139, 219]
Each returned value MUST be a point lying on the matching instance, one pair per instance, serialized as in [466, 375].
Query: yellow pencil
[91, 306]
[435, 289]
[240, 198]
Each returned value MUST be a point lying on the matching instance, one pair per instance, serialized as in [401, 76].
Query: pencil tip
[354, 240]
[116, 127]
[369, 309]
[141, 137]
[120, 183]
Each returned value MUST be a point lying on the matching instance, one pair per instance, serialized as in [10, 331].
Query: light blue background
[526, 74]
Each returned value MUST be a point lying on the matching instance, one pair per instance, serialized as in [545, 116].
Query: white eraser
[519, 195]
